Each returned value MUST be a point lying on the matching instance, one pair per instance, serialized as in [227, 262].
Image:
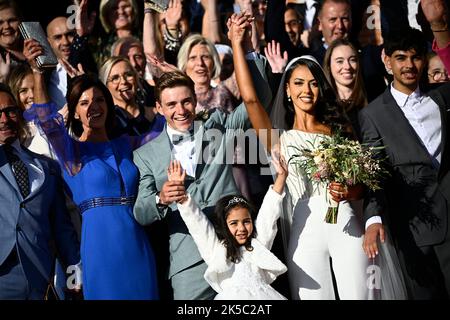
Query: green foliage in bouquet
[342, 160]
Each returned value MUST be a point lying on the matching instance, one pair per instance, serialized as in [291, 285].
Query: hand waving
[84, 23]
[434, 11]
[273, 54]
[173, 13]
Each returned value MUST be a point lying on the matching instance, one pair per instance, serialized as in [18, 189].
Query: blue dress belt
[106, 202]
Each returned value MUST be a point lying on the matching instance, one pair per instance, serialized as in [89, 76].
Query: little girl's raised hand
[279, 163]
[175, 171]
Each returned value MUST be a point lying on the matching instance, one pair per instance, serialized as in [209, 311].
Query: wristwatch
[158, 202]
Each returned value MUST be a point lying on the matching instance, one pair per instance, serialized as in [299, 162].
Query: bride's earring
[289, 99]
[76, 116]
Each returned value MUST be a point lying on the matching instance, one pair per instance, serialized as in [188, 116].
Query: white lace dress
[246, 283]
[310, 241]
[249, 279]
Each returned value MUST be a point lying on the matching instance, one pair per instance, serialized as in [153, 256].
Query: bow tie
[180, 138]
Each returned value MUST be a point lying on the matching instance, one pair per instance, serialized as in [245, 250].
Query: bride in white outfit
[306, 107]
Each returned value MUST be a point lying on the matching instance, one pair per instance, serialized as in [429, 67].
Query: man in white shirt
[33, 213]
[411, 127]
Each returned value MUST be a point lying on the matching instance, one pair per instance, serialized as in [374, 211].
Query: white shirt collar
[172, 132]
[309, 4]
[401, 98]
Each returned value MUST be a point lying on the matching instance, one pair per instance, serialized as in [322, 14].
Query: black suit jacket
[414, 201]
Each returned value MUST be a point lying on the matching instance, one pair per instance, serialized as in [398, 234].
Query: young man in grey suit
[412, 127]
[33, 216]
[203, 154]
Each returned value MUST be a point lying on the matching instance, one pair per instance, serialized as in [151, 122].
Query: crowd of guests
[115, 176]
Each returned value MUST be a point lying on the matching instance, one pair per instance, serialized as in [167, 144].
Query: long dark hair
[222, 210]
[358, 98]
[76, 88]
[327, 109]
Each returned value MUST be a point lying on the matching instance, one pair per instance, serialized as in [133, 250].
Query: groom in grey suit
[34, 222]
[202, 148]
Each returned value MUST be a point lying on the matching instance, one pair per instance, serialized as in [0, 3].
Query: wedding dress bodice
[299, 185]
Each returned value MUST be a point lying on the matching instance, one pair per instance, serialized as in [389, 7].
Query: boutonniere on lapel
[202, 115]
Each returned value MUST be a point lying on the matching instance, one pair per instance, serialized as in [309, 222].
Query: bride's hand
[370, 244]
[340, 192]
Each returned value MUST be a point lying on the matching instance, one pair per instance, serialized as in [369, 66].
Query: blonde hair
[185, 50]
[106, 8]
[105, 70]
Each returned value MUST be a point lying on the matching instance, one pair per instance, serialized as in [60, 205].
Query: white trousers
[312, 243]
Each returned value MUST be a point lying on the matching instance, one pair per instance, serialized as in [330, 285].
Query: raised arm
[239, 36]
[45, 114]
[199, 226]
[271, 208]
[211, 21]
[152, 39]
[436, 13]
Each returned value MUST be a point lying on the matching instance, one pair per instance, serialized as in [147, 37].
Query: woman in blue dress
[117, 259]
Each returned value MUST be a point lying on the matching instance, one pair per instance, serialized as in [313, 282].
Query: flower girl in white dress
[240, 264]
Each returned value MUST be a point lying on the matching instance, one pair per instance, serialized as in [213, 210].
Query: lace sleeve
[51, 123]
[157, 126]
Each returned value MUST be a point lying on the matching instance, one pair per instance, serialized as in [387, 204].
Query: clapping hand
[175, 172]
[239, 29]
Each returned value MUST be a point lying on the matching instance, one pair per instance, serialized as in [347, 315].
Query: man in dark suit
[34, 223]
[334, 22]
[412, 128]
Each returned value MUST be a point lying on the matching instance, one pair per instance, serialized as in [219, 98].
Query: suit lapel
[6, 171]
[200, 140]
[444, 108]
[46, 171]
[397, 122]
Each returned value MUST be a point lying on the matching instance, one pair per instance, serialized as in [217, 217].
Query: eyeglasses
[127, 76]
[438, 75]
[10, 112]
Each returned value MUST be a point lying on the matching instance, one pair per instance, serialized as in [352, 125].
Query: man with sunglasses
[34, 223]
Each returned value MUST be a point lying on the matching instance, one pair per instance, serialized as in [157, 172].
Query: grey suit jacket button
[198, 181]
[18, 228]
[22, 205]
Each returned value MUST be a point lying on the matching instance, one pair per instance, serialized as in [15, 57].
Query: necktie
[19, 170]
